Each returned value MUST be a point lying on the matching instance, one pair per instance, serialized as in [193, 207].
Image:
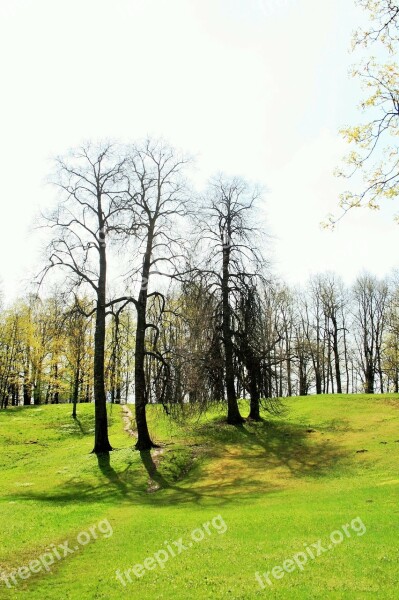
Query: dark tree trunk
[27, 392]
[233, 412]
[288, 362]
[76, 388]
[56, 394]
[303, 384]
[369, 374]
[144, 441]
[336, 355]
[14, 394]
[37, 392]
[253, 372]
[346, 361]
[369, 380]
[101, 441]
[318, 380]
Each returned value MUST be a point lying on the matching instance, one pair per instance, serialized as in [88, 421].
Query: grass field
[228, 502]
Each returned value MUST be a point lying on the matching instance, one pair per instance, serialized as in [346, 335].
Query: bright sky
[257, 88]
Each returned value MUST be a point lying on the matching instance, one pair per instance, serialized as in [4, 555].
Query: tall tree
[228, 253]
[92, 186]
[370, 297]
[333, 302]
[158, 204]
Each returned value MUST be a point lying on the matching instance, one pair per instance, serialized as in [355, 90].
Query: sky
[256, 88]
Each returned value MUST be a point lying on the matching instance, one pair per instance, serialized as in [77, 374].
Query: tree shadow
[104, 464]
[235, 463]
[152, 470]
[302, 451]
[79, 424]
[130, 486]
[184, 493]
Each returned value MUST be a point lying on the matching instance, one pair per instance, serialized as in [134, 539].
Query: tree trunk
[233, 412]
[101, 441]
[144, 441]
[76, 389]
[303, 384]
[346, 360]
[318, 380]
[253, 369]
[288, 363]
[27, 390]
[336, 356]
[369, 379]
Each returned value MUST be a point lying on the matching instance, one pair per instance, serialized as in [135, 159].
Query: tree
[375, 159]
[384, 23]
[258, 333]
[313, 327]
[333, 302]
[226, 248]
[249, 327]
[190, 336]
[391, 342]
[9, 352]
[158, 202]
[120, 352]
[77, 348]
[370, 297]
[92, 186]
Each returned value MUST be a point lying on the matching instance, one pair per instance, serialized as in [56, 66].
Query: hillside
[243, 500]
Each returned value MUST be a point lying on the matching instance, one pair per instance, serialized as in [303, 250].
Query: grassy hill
[214, 506]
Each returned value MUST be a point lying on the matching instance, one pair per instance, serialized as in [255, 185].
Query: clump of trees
[323, 338]
[166, 297]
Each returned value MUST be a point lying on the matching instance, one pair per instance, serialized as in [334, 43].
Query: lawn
[313, 489]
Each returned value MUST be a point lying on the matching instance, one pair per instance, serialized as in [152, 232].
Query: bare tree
[370, 298]
[257, 337]
[158, 203]
[226, 247]
[333, 301]
[92, 186]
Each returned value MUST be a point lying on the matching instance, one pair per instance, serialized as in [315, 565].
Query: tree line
[222, 327]
[166, 295]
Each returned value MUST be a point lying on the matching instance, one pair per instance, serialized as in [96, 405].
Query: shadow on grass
[79, 424]
[230, 464]
[302, 451]
[104, 464]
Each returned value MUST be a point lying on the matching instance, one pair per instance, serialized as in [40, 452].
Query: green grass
[277, 485]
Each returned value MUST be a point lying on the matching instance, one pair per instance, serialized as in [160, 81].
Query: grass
[277, 485]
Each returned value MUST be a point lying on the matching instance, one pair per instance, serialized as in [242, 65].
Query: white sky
[257, 88]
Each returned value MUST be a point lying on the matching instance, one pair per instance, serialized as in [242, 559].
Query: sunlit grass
[289, 480]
